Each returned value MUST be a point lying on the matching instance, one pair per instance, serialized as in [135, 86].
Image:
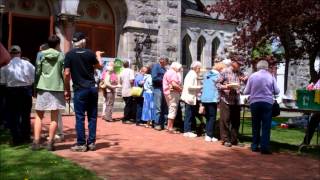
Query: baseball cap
[15, 49]
[78, 36]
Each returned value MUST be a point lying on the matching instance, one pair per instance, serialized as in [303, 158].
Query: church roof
[192, 8]
[195, 8]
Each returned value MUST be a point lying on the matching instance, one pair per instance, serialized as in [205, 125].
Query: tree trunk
[285, 43]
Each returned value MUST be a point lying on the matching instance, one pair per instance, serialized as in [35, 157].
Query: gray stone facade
[162, 20]
[298, 76]
[167, 23]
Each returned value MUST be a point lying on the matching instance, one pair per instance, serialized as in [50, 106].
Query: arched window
[186, 55]
[200, 49]
[215, 46]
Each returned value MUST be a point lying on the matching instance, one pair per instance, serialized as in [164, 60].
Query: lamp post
[146, 42]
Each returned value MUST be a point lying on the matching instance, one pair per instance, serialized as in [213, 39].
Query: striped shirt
[229, 96]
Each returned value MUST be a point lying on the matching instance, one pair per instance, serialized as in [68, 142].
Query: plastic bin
[306, 100]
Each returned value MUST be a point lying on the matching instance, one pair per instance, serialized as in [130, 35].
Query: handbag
[136, 91]
[275, 106]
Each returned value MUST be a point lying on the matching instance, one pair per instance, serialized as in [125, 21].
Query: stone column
[169, 29]
[65, 30]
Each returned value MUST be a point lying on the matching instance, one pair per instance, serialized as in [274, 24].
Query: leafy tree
[295, 22]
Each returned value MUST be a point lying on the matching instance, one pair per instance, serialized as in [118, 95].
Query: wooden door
[29, 33]
[100, 38]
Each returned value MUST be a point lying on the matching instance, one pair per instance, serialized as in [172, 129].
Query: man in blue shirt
[157, 73]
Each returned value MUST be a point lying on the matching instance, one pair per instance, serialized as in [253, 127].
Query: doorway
[100, 37]
[29, 33]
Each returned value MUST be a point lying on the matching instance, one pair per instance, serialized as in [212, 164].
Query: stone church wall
[161, 19]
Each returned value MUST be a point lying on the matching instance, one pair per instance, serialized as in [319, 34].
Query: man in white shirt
[18, 77]
[127, 80]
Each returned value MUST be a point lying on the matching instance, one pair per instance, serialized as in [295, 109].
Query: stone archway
[201, 43]
[102, 21]
[97, 22]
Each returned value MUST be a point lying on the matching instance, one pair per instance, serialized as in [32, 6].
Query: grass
[21, 163]
[282, 140]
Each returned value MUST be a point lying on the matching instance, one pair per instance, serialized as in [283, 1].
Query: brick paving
[131, 152]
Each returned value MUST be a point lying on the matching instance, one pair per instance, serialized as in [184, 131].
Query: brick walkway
[131, 152]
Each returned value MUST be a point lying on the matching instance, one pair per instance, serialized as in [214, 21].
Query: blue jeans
[139, 101]
[190, 117]
[86, 100]
[210, 114]
[161, 109]
[261, 115]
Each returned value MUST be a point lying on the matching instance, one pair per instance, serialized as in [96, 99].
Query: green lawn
[284, 140]
[22, 163]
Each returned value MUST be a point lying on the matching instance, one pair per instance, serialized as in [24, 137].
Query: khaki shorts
[172, 100]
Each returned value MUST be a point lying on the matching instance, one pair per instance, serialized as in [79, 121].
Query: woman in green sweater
[50, 90]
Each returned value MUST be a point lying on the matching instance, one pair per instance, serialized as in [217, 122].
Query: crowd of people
[152, 96]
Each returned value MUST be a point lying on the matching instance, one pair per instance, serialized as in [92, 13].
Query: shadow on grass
[20, 162]
[313, 151]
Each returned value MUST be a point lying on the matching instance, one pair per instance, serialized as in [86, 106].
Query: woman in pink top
[171, 90]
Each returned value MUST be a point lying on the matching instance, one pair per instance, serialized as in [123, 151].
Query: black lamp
[147, 42]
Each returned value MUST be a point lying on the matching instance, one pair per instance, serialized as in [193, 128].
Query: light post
[147, 42]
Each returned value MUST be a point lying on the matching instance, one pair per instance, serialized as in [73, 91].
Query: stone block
[173, 4]
[171, 48]
[172, 19]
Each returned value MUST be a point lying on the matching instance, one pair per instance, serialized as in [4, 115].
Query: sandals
[173, 131]
[149, 124]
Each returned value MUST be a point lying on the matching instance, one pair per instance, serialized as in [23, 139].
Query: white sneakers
[209, 139]
[206, 138]
[213, 139]
[190, 134]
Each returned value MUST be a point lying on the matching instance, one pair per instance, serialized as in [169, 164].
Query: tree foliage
[295, 22]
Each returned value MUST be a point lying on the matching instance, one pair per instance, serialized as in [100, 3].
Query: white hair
[109, 68]
[175, 65]
[227, 62]
[80, 44]
[262, 65]
[195, 64]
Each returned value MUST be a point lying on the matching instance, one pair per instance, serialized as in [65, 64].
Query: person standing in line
[79, 65]
[138, 82]
[18, 77]
[191, 88]
[209, 98]
[50, 90]
[103, 74]
[229, 87]
[262, 87]
[157, 74]
[171, 90]
[148, 104]
[127, 80]
[109, 85]
[43, 47]
[59, 136]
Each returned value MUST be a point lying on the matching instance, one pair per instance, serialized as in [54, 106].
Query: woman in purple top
[261, 87]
